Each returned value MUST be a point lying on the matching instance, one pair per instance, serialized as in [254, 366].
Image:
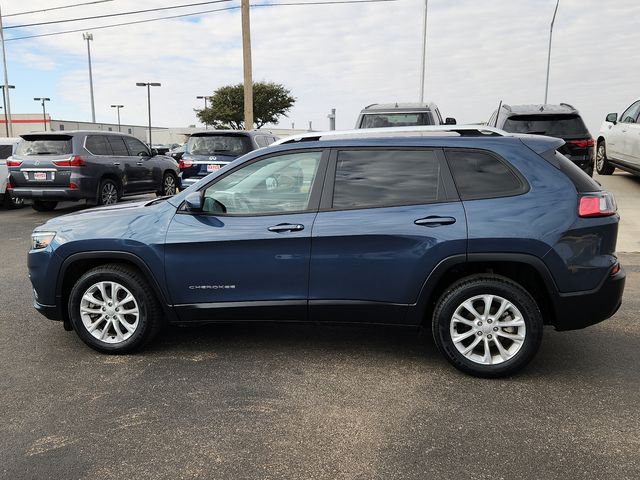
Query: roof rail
[419, 131]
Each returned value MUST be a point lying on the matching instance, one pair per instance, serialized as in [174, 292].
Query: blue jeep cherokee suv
[480, 235]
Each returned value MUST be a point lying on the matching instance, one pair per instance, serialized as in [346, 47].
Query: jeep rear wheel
[487, 326]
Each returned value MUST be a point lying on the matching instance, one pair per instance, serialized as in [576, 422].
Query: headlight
[40, 240]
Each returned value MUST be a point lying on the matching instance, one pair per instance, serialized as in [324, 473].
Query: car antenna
[495, 123]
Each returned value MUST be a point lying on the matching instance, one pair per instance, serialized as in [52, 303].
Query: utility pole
[4, 105]
[148, 85]
[423, 60]
[5, 90]
[246, 57]
[118, 107]
[44, 111]
[200, 97]
[89, 37]
[546, 88]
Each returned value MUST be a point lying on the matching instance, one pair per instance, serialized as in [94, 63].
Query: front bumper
[52, 312]
[579, 310]
[49, 193]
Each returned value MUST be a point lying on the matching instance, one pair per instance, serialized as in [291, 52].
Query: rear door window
[480, 174]
[552, 125]
[118, 146]
[386, 178]
[98, 145]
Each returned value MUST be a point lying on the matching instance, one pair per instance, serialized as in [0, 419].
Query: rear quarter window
[480, 174]
[583, 182]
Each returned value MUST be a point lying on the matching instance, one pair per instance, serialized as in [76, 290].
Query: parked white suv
[6, 149]
[619, 142]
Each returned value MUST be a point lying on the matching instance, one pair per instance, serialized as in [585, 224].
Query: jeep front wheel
[487, 326]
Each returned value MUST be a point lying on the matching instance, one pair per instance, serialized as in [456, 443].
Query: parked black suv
[100, 167]
[561, 121]
[209, 151]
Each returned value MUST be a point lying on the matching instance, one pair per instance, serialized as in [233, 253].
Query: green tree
[226, 105]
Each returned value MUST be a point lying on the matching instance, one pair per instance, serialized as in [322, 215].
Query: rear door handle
[435, 221]
[286, 227]
[139, 163]
[116, 163]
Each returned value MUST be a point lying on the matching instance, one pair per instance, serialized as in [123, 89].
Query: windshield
[552, 125]
[379, 120]
[48, 146]
[225, 144]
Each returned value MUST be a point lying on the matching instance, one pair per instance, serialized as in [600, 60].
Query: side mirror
[612, 117]
[450, 121]
[154, 152]
[193, 202]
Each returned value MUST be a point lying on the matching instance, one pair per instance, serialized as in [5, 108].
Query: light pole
[44, 111]
[246, 60]
[6, 79]
[200, 97]
[148, 85]
[423, 60]
[4, 106]
[89, 37]
[546, 88]
[118, 107]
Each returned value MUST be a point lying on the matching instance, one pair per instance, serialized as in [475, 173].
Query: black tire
[149, 320]
[169, 185]
[43, 205]
[10, 201]
[603, 167]
[108, 192]
[480, 285]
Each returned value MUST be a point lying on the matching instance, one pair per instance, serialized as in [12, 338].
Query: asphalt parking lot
[313, 402]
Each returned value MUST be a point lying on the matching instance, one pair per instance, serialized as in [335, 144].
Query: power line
[157, 9]
[329, 2]
[57, 8]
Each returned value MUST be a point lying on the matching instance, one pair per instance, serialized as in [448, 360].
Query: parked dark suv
[481, 237]
[208, 151]
[100, 167]
[384, 115]
[560, 121]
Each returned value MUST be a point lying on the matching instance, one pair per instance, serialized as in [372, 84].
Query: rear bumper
[187, 182]
[579, 310]
[50, 193]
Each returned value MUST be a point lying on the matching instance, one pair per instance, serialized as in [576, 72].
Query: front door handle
[286, 227]
[139, 164]
[116, 163]
[435, 221]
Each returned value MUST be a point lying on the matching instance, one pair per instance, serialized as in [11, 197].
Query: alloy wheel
[169, 186]
[488, 329]
[600, 155]
[109, 312]
[109, 194]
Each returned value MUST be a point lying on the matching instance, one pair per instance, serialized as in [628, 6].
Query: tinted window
[98, 145]
[384, 178]
[44, 145]
[582, 181]
[225, 144]
[481, 175]
[5, 151]
[630, 115]
[117, 145]
[136, 147]
[261, 141]
[552, 125]
[379, 120]
[269, 186]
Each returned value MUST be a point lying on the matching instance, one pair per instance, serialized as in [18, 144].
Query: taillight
[586, 142]
[600, 204]
[75, 161]
[73, 186]
[13, 163]
[9, 186]
[182, 164]
[615, 269]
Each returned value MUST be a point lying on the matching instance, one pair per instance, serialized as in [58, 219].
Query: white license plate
[213, 168]
[39, 176]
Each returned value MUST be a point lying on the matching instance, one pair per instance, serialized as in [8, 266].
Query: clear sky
[330, 56]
